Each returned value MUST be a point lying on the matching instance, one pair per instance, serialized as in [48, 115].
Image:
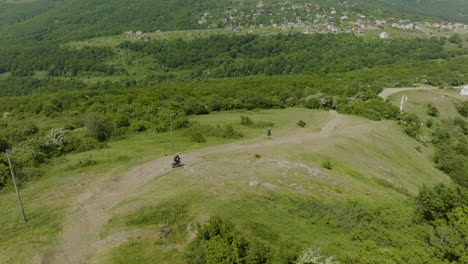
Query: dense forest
[221, 56]
[232, 56]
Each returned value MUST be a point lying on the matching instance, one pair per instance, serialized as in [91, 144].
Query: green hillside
[374, 167]
[13, 12]
[97, 96]
[78, 19]
[81, 19]
[456, 10]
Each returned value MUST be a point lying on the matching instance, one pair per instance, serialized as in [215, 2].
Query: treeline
[449, 138]
[241, 55]
[57, 61]
[365, 82]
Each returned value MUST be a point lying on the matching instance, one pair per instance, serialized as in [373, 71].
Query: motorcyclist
[269, 132]
[177, 159]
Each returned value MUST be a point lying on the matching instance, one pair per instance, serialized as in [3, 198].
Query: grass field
[417, 102]
[371, 161]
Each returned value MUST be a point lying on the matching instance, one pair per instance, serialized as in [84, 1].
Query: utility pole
[16, 186]
[172, 136]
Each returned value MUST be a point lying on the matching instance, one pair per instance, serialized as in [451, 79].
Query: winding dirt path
[80, 239]
[389, 91]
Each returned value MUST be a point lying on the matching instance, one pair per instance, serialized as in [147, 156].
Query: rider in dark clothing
[177, 158]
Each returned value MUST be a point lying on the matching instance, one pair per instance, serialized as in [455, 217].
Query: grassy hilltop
[370, 161]
[87, 109]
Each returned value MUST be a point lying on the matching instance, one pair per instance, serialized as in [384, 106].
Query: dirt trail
[80, 239]
[389, 91]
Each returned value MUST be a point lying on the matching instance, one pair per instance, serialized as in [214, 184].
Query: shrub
[246, 121]
[219, 242]
[461, 124]
[4, 145]
[139, 126]
[98, 126]
[327, 164]
[437, 202]
[197, 137]
[263, 124]
[462, 108]
[88, 162]
[301, 123]
[29, 129]
[56, 139]
[121, 120]
[257, 156]
[228, 131]
[411, 124]
[432, 110]
[429, 123]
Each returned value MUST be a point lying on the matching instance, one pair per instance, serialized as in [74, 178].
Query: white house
[464, 90]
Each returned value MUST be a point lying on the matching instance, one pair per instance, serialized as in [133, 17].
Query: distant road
[389, 91]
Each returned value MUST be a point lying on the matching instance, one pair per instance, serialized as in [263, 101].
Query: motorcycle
[177, 163]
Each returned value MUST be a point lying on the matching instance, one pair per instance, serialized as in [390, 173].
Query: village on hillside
[308, 18]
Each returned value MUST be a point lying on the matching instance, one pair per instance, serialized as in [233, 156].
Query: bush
[228, 131]
[327, 164]
[437, 202]
[246, 121]
[4, 145]
[29, 129]
[461, 124]
[121, 120]
[219, 242]
[98, 126]
[411, 124]
[197, 137]
[301, 123]
[429, 123]
[462, 108]
[88, 162]
[139, 126]
[432, 110]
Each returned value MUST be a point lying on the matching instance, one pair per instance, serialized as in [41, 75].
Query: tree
[462, 108]
[98, 126]
[456, 39]
[432, 110]
[4, 145]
